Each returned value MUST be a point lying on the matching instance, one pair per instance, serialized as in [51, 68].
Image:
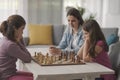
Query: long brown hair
[96, 34]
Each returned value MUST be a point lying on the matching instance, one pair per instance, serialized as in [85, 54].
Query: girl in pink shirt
[95, 47]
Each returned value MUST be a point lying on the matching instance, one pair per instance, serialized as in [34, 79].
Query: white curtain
[45, 11]
[9, 7]
[95, 7]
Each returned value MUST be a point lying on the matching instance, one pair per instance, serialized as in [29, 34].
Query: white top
[74, 43]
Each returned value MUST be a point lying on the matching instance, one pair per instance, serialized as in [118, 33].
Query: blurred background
[106, 12]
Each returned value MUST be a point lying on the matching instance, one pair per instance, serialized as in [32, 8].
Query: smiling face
[73, 21]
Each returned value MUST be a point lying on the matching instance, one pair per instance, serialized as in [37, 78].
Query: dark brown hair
[96, 34]
[7, 28]
[3, 27]
[74, 12]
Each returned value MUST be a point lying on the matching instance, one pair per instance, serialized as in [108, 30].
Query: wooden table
[89, 71]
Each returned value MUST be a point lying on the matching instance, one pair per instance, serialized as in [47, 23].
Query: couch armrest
[113, 46]
[118, 74]
[114, 54]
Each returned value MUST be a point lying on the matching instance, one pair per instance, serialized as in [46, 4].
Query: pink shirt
[103, 59]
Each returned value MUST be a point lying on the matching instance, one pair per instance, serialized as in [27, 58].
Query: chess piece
[42, 59]
[73, 57]
[65, 56]
[47, 59]
[35, 55]
[77, 59]
[60, 57]
[51, 59]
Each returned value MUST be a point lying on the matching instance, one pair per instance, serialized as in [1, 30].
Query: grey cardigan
[9, 52]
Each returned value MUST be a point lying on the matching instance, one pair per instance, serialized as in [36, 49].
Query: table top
[67, 70]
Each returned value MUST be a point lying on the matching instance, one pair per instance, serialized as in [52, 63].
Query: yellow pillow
[40, 34]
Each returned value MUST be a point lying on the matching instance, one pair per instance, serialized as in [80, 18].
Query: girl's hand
[88, 59]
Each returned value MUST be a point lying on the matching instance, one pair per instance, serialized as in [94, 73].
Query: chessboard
[63, 59]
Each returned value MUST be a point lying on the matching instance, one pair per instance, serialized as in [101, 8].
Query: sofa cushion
[111, 39]
[108, 31]
[57, 33]
[40, 34]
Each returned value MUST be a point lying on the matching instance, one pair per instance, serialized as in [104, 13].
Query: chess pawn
[70, 55]
[59, 57]
[42, 59]
[47, 55]
[35, 55]
[51, 59]
[65, 57]
[55, 58]
[47, 58]
[77, 59]
[73, 57]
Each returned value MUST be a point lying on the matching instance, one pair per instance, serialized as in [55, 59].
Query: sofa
[111, 35]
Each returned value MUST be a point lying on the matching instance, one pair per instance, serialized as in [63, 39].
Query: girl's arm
[80, 52]
[88, 58]
[19, 51]
[85, 49]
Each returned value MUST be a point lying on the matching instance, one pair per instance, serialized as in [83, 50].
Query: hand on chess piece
[54, 51]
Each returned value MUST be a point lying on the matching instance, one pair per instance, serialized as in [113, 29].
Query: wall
[111, 13]
[45, 11]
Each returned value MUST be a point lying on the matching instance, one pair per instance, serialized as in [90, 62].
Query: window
[7, 7]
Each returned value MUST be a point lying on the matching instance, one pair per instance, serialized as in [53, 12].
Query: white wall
[45, 11]
[23, 10]
[111, 13]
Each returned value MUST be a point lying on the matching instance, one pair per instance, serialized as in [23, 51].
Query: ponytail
[3, 27]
